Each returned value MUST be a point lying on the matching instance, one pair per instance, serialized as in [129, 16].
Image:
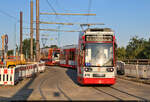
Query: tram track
[40, 86]
[141, 98]
[65, 95]
[40, 89]
[100, 90]
[57, 85]
[120, 91]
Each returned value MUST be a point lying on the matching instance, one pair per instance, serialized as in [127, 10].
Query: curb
[134, 79]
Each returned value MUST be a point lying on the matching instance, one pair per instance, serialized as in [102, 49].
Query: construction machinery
[13, 61]
[9, 61]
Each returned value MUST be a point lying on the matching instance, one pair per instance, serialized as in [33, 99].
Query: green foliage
[137, 48]
[121, 53]
[53, 46]
[10, 52]
[46, 47]
[145, 53]
[26, 47]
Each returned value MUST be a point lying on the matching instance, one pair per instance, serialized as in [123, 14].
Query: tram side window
[46, 53]
[81, 55]
[63, 54]
[71, 55]
[55, 54]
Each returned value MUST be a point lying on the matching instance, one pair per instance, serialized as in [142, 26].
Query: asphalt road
[59, 83]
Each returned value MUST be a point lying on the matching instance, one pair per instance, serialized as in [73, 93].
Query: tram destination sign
[99, 38]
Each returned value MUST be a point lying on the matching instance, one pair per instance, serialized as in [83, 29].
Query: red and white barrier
[41, 67]
[10, 76]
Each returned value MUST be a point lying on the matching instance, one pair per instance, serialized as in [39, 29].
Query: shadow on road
[22, 94]
[72, 75]
[56, 94]
[2, 99]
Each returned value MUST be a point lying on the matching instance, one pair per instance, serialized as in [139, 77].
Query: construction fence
[11, 76]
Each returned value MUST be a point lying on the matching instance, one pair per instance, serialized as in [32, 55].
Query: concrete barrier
[148, 71]
[138, 71]
[130, 70]
[142, 69]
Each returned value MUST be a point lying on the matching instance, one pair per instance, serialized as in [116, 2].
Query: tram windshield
[99, 54]
[56, 55]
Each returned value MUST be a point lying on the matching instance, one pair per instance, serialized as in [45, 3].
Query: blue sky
[126, 17]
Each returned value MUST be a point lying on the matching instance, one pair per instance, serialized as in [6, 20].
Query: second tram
[50, 56]
[68, 56]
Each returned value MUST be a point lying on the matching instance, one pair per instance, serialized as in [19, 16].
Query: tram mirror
[82, 46]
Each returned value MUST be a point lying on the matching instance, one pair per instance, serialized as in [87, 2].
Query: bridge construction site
[45, 67]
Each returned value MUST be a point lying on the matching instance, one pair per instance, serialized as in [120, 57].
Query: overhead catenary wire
[89, 9]
[56, 13]
[51, 7]
[61, 7]
[8, 15]
[56, 18]
[11, 16]
[49, 4]
[16, 21]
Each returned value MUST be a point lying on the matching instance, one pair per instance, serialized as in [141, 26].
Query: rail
[137, 61]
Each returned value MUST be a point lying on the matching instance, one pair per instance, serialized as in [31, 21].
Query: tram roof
[69, 46]
[99, 31]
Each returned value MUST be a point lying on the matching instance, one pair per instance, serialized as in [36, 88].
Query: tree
[53, 46]
[145, 53]
[46, 47]
[134, 48]
[137, 48]
[121, 53]
[26, 47]
[10, 52]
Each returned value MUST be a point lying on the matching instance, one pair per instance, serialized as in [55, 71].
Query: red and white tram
[96, 56]
[50, 56]
[68, 56]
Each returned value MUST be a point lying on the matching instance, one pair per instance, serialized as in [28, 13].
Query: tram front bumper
[97, 80]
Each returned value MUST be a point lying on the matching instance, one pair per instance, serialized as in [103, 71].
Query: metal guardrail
[137, 61]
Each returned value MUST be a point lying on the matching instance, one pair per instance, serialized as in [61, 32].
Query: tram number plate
[98, 75]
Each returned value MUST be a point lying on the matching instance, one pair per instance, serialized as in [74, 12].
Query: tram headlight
[88, 69]
[110, 69]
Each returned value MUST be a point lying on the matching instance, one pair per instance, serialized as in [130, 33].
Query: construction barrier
[138, 71]
[6, 76]
[41, 67]
[10, 76]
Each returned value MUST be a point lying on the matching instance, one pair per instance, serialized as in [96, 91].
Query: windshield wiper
[107, 62]
[96, 53]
